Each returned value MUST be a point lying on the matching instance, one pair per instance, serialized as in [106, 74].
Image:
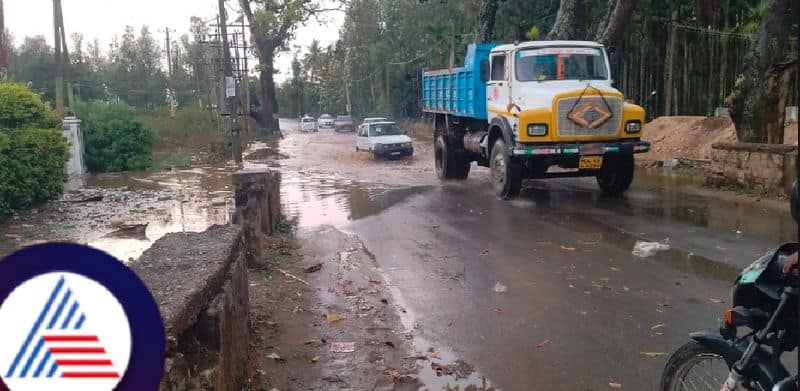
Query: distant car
[344, 123]
[325, 121]
[384, 139]
[308, 124]
[374, 119]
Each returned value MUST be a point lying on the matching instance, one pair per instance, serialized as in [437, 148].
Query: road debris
[276, 357]
[615, 385]
[568, 248]
[653, 354]
[313, 269]
[343, 347]
[716, 301]
[647, 249]
[334, 317]
[500, 288]
[130, 231]
[484, 253]
[657, 326]
[292, 276]
[543, 343]
[315, 359]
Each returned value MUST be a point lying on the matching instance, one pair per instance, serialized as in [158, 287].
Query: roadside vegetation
[32, 150]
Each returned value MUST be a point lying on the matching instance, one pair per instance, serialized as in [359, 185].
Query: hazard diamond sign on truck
[541, 109]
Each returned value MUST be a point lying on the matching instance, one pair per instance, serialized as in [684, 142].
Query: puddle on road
[188, 200]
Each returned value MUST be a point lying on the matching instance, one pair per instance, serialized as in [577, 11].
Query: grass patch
[193, 135]
[179, 158]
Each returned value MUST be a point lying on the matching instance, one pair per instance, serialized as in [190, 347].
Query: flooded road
[540, 293]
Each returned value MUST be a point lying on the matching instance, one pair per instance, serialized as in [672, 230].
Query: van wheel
[450, 162]
[616, 175]
[506, 175]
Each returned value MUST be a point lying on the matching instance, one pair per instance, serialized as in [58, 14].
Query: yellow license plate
[590, 162]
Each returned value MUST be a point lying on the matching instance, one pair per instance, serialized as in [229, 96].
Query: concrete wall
[199, 280]
[768, 166]
[72, 132]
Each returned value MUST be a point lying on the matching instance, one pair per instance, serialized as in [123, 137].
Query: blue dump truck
[542, 109]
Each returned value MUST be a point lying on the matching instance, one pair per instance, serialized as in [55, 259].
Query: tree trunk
[611, 29]
[486, 20]
[269, 101]
[570, 21]
[669, 68]
[758, 101]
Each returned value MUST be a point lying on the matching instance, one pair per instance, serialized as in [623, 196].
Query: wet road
[579, 310]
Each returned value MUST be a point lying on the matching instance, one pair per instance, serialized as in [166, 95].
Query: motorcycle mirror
[794, 201]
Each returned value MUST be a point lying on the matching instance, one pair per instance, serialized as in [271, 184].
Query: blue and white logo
[68, 333]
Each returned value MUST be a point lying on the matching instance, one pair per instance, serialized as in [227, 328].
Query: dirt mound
[686, 137]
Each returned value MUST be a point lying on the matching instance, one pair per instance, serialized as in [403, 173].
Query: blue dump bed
[460, 92]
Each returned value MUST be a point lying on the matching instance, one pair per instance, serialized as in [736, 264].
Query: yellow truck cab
[538, 109]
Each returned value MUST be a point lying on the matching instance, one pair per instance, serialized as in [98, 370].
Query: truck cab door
[498, 88]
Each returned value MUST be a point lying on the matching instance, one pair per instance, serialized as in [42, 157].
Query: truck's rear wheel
[616, 175]
[450, 163]
[506, 175]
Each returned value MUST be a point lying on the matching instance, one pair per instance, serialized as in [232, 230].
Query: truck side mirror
[794, 201]
[484, 70]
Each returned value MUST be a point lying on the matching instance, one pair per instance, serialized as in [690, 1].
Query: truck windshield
[571, 63]
[384, 130]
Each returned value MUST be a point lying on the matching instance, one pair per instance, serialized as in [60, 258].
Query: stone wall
[199, 281]
[770, 167]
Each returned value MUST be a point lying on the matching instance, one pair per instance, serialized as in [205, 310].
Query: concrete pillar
[268, 201]
[72, 132]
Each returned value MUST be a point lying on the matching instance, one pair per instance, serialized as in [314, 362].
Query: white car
[384, 139]
[325, 121]
[308, 124]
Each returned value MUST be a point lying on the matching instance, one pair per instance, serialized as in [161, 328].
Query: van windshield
[575, 63]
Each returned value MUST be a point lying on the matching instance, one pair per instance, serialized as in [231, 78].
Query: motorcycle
[765, 305]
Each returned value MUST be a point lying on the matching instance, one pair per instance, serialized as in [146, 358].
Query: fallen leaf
[543, 343]
[313, 269]
[568, 248]
[433, 353]
[315, 359]
[715, 301]
[658, 333]
[484, 253]
[615, 385]
[653, 354]
[657, 326]
[498, 310]
[334, 317]
[616, 269]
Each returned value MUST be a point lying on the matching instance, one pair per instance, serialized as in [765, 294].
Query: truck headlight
[633, 126]
[537, 129]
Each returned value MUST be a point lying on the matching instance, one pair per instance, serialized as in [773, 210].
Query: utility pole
[169, 52]
[452, 45]
[245, 80]
[3, 45]
[229, 82]
[59, 61]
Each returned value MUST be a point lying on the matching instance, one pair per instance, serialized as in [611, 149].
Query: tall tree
[570, 21]
[758, 101]
[272, 25]
[486, 20]
[612, 27]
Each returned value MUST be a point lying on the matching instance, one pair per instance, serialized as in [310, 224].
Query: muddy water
[188, 200]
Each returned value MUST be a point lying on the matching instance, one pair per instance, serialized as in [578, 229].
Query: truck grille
[593, 108]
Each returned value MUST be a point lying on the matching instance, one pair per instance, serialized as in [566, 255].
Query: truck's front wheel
[506, 175]
[450, 164]
[616, 175]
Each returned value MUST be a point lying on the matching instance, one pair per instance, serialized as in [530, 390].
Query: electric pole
[3, 45]
[245, 80]
[58, 30]
[230, 87]
[169, 52]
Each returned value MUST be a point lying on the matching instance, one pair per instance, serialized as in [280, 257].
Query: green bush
[31, 167]
[114, 138]
[21, 108]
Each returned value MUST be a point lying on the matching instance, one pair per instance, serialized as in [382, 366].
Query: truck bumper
[581, 149]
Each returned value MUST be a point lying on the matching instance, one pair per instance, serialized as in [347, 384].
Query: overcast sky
[106, 18]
